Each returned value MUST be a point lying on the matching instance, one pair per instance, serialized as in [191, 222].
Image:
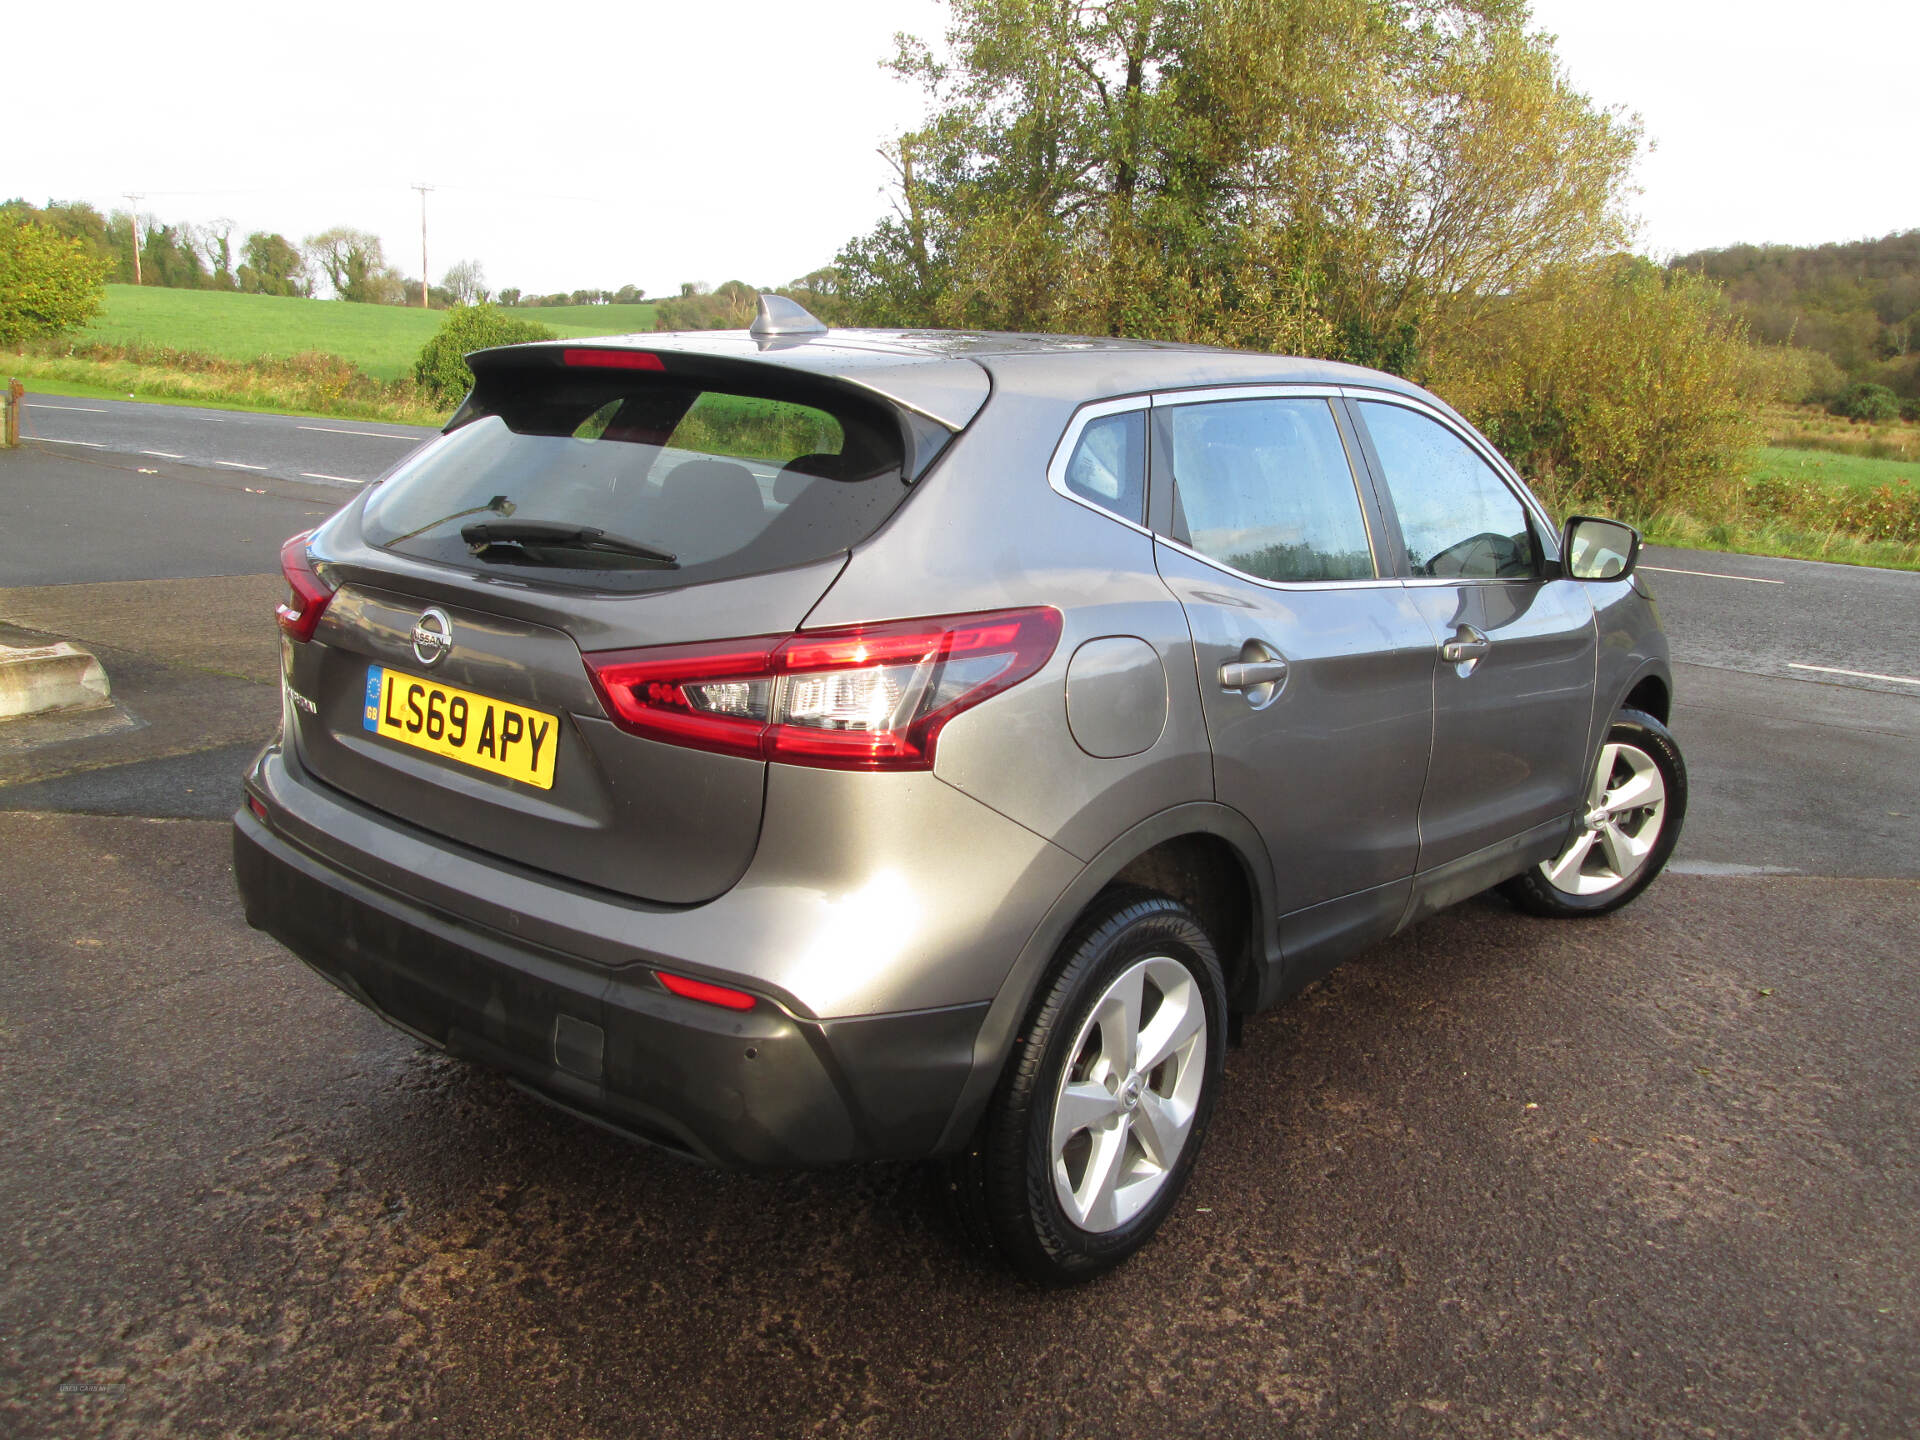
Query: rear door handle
[1245, 674]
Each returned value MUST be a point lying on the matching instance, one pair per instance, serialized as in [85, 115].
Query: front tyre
[1095, 1125]
[1635, 802]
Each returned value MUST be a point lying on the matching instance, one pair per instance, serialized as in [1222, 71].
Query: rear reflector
[307, 594]
[690, 989]
[866, 697]
[614, 359]
[259, 810]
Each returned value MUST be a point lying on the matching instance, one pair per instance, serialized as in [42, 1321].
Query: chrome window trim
[1214, 394]
[1491, 457]
[1379, 582]
[1069, 442]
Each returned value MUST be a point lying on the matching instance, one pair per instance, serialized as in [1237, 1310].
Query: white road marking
[343, 479]
[1856, 674]
[164, 454]
[370, 434]
[82, 409]
[238, 465]
[1724, 867]
[1712, 575]
[50, 440]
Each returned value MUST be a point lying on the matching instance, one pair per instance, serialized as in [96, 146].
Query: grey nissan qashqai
[800, 746]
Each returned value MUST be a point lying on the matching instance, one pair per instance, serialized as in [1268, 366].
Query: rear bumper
[763, 1087]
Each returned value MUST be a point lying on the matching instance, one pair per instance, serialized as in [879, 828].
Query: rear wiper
[528, 535]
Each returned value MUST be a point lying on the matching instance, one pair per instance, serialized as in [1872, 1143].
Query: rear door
[1315, 671]
[1514, 646]
[447, 684]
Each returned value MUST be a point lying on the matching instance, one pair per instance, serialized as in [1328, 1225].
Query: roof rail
[780, 316]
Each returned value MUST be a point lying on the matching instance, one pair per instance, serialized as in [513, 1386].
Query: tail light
[307, 594]
[866, 697]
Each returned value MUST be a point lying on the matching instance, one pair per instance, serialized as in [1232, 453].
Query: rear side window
[1108, 467]
[724, 481]
[1265, 487]
[1458, 518]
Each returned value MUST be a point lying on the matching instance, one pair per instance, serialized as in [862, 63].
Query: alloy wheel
[1128, 1097]
[1626, 808]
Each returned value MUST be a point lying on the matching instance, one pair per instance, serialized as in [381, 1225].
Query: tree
[442, 369]
[464, 282]
[49, 282]
[1348, 177]
[629, 295]
[169, 257]
[354, 264]
[214, 240]
[510, 296]
[273, 266]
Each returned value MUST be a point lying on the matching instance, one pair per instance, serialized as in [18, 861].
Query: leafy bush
[1618, 386]
[1910, 409]
[48, 282]
[1867, 402]
[442, 367]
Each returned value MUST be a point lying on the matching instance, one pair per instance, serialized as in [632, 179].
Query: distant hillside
[1857, 303]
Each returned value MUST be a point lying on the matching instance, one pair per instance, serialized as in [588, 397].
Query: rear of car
[800, 747]
[535, 684]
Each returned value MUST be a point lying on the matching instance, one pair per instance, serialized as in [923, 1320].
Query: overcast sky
[585, 144]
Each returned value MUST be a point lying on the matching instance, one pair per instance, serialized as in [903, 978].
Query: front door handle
[1245, 674]
[1467, 646]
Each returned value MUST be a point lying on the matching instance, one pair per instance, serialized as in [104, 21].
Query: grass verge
[318, 385]
[1838, 547]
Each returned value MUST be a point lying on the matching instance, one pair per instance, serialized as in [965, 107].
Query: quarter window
[1265, 487]
[1458, 518]
[1109, 464]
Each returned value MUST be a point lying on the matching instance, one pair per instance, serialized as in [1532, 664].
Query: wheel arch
[1207, 855]
[1651, 692]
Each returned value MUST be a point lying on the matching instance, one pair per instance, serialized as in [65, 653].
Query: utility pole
[134, 201]
[423, 189]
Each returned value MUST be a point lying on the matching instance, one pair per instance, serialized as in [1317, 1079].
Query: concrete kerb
[61, 676]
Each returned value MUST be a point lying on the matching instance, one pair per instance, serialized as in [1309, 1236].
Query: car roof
[948, 374]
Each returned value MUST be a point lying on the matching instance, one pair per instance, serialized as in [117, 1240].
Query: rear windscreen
[722, 481]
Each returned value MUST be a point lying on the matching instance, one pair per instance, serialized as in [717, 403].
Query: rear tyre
[1635, 802]
[1098, 1118]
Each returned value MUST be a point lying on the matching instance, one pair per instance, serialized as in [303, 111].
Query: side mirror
[1596, 549]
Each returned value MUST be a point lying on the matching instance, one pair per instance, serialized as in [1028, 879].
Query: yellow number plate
[508, 740]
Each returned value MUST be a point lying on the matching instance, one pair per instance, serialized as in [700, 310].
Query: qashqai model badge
[432, 636]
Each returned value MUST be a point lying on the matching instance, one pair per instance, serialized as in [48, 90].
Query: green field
[1823, 467]
[382, 340]
[591, 319]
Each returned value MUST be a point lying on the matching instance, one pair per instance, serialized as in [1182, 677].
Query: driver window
[1459, 519]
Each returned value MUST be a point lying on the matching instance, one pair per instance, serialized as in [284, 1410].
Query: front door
[1515, 647]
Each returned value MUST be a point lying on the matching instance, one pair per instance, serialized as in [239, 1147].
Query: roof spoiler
[779, 316]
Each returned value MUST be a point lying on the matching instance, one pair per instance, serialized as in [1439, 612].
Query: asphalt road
[1653, 1175]
[284, 447]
